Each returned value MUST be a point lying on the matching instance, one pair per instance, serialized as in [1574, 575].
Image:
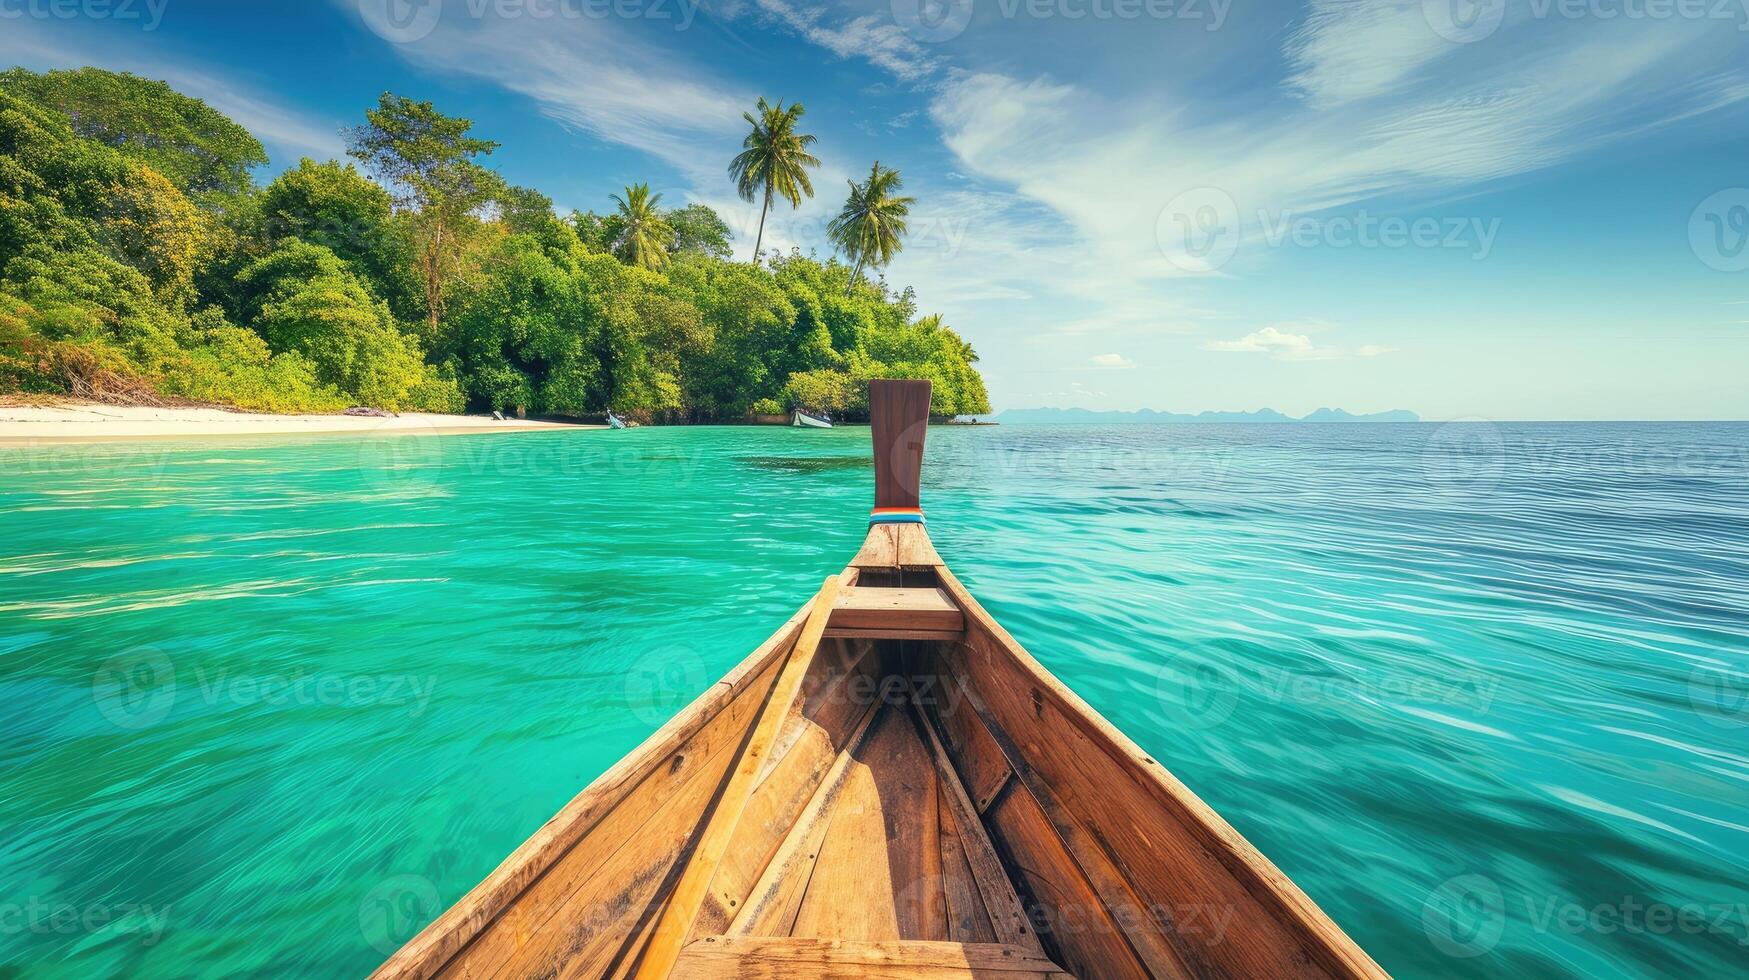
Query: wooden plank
[767, 818]
[850, 893]
[979, 760]
[898, 414]
[900, 608]
[587, 935]
[1140, 925]
[908, 787]
[914, 547]
[880, 548]
[1067, 913]
[768, 959]
[647, 773]
[770, 906]
[1174, 850]
[1007, 915]
[865, 633]
[896, 546]
[597, 895]
[967, 921]
[683, 902]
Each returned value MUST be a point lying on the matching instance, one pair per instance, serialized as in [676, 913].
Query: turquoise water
[1482, 691]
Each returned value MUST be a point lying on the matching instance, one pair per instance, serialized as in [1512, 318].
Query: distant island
[1148, 415]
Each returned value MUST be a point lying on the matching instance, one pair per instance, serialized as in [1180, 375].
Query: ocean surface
[267, 706]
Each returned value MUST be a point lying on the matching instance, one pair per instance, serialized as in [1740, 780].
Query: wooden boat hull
[931, 803]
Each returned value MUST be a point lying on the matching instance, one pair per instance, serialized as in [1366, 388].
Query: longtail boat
[890, 786]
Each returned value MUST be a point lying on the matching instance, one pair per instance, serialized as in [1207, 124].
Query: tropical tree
[192, 144]
[428, 159]
[644, 234]
[699, 229]
[774, 159]
[871, 227]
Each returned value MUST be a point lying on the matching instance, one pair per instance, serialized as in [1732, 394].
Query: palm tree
[872, 223]
[774, 158]
[644, 234]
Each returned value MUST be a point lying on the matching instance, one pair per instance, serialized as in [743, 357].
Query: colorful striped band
[896, 515]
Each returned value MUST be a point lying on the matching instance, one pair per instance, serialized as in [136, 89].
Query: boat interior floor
[886, 870]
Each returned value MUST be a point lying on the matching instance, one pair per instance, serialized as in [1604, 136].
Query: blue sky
[1522, 209]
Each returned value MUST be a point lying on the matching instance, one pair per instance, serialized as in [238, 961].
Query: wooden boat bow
[889, 786]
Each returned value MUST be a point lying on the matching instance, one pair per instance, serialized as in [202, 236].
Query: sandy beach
[35, 425]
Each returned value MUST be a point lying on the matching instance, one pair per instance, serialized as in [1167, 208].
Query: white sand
[20, 424]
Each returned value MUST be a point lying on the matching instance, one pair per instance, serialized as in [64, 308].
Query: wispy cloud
[589, 75]
[1348, 50]
[1111, 361]
[875, 37]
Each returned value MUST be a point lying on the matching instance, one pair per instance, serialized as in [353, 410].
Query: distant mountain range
[1148, 415]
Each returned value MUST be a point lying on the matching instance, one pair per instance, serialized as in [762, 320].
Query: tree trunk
[759, 239]
[434, 283]
[854, 275]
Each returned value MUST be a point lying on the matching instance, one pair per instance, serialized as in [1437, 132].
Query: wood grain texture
[896, 609]
[899, 418]
[896, 546]
[1175, 851]
[1073, 923]
[688, 894]
[810, 959]
[1140, 924]
[1007, 914]
[850, 893]
[967, 920]
[646, 777]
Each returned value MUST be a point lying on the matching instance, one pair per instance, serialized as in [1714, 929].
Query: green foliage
[183, 138]
[307, 302]
[871, 228]
[825, 391]
[429, 159]
[644, 233]
[128, 273]
[524, 211]
[699, 230]
[774, 159]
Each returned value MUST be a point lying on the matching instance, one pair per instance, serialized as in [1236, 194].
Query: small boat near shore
[803, 420]
[890, 786]
[615, 421]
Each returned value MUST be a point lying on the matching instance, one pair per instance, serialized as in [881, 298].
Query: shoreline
[75, 422]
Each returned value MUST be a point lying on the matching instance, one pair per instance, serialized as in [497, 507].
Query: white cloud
[1348, 50]
[1111, 360]
[1372, 350]
[587, 74]
[1269, 340]
[875, 37]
